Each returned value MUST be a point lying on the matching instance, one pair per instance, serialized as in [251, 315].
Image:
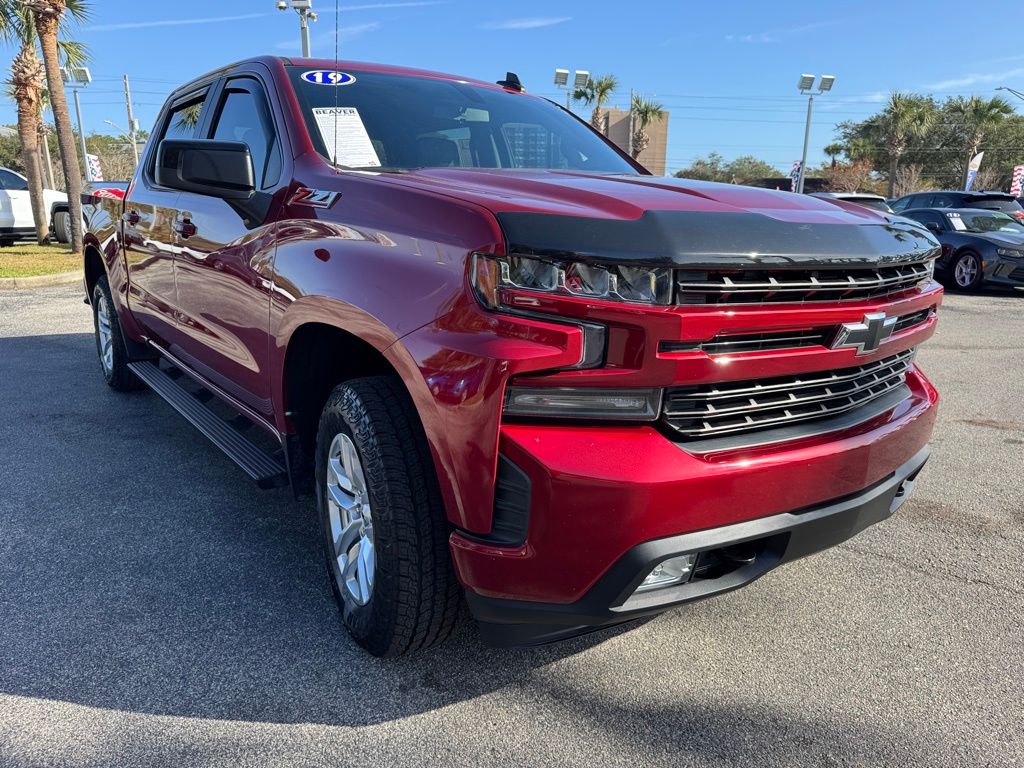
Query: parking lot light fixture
[806, 86]
[579, 80]
[76, 78]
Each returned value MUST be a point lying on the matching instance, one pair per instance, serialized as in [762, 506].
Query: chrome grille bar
[725, 409]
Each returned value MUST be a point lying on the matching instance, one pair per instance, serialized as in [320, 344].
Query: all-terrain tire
[416, 599]
[116, 373]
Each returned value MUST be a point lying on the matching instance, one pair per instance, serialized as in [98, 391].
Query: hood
[658, 221]
[999, 238]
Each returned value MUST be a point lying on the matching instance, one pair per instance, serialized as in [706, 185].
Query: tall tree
[834, 150]
[644, 112]
[595, 93]
[29, 93]
[979, 116]
[906, 116]
[47, 16]
[26, 85]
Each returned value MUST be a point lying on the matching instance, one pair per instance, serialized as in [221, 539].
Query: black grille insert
[735, 407]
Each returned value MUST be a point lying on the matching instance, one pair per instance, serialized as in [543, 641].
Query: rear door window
[12, 181]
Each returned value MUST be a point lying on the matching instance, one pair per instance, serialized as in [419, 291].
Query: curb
[40, 281]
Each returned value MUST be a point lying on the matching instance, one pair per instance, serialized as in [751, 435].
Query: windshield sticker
[956, 221]
[328, 77]
[343, 129]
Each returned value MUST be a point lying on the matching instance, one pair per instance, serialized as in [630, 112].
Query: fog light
[675, 570]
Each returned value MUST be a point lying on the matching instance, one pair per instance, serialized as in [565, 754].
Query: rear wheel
[385, 534]
[966, 271]
[110, 344]
[62, 226]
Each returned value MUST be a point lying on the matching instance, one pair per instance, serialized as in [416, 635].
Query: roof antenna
[511, 82]
[337, 21]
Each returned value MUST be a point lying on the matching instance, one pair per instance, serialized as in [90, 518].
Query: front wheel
[966, 271]
[385, 533]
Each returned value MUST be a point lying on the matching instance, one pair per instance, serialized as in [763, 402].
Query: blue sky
[726, 71]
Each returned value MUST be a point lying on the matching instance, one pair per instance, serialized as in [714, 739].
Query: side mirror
[934, 227]
[216, 168]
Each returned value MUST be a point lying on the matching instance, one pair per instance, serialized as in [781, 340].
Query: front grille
[729, 408]
[727, 344]
[760, 286]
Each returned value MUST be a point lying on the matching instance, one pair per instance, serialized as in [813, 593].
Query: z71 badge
[314, 198]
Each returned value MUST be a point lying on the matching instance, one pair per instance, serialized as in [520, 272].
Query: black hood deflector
[717, 240]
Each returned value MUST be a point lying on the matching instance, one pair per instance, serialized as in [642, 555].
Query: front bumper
[768, 542]
[1004, 270]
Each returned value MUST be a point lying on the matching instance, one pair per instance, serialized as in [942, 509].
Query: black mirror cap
[216, 168]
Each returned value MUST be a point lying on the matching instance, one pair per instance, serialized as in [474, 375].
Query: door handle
[183, 225]
[130, 217]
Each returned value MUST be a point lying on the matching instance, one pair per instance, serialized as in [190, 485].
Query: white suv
[16, 210]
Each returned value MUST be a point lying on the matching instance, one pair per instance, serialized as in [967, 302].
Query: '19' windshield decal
[328, 77]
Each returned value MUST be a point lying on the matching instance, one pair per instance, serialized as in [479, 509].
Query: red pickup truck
[513, 367]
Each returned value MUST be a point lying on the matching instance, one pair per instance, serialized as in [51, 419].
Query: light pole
[77, 78]
[806, 86]
[305, 10]
[579, 80]
[1015, 92]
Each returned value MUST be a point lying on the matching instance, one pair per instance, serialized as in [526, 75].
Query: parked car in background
[978, 246]
[60, 217]
[16, 221]
[876, 202]
[989, 201]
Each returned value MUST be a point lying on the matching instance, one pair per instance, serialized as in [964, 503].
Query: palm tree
[28, 91]
[859, 149]
[979, 116]
[834, 150]
[47, 17]
[596, 93]
[26, 85]
[644, 112]
[906, 116]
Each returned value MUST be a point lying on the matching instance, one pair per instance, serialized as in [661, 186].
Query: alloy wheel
[351, 520]
[104, 334]
[966, 270]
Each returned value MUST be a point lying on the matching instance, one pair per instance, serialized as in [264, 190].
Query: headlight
[1011, 252]
[636, 285]
[931, 269]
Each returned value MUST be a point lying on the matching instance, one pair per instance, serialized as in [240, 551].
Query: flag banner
[972, 170]
[94, 167]
[794, 176]
[1018, 178]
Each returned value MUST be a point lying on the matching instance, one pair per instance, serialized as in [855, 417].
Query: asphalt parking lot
[156, 609]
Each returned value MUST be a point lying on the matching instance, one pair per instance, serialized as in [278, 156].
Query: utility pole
[44, 137]
[807, 139]
[630, 143]
[132, 125]
[81, 136]
[306, 14]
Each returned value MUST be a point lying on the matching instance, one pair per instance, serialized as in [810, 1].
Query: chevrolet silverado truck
[516, 371]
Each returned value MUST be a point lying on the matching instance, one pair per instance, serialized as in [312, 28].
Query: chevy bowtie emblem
[867, 335]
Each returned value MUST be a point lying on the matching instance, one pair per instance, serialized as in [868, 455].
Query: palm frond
[72, 54]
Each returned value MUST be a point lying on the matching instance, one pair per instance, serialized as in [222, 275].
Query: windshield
[990, 222]
[375, 120]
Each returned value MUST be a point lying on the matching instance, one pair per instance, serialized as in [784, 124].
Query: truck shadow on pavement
[142, 572]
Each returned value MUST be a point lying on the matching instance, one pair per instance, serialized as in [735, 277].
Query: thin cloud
[173, 22]
[345, 35]
[381, 6]
[247, 16]
[975, 79]
[536, 22]
[778, 35]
